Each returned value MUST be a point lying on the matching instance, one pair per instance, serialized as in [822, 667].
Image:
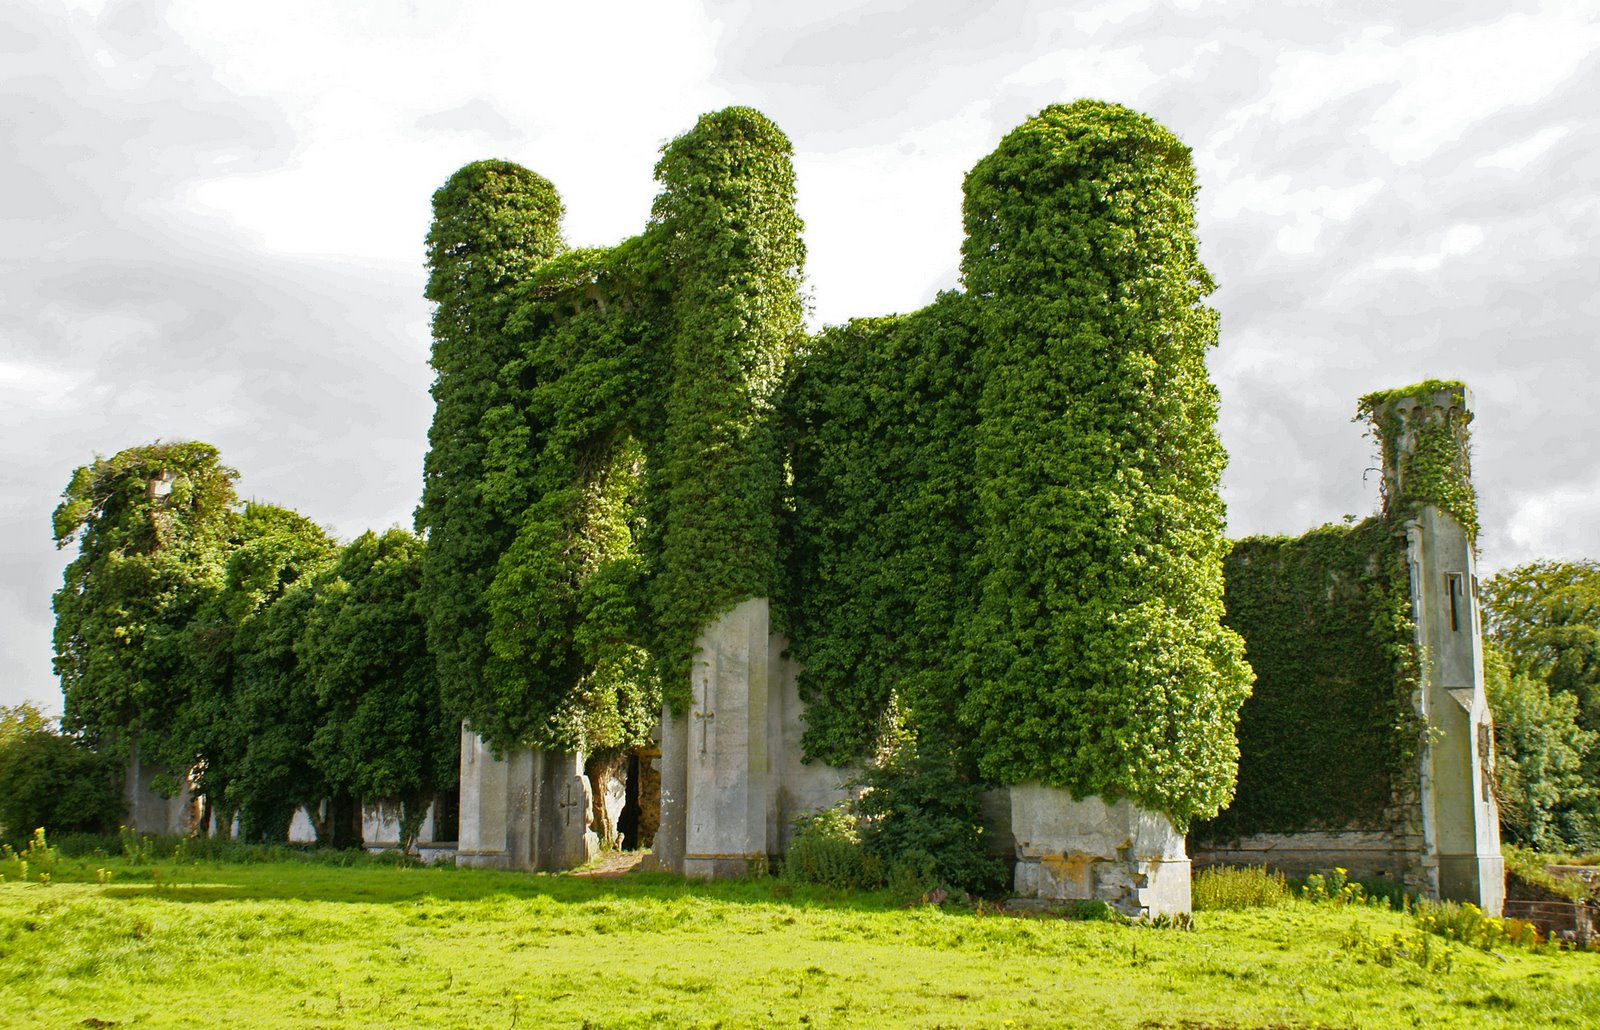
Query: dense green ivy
[881, 422]
[493, 224]
[363, 649]
[1096, 659]
[274, 548]
[621, 482]
[152, 527]
[567, 668]
[1001, 513]
[1330, 732]
[731, 243]
[1435, 467]
[228, 645]
[278, 713]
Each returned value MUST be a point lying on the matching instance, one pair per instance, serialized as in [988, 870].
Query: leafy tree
[923, 809]
[275, 548]
[382, 733]
[1545, 618]
[151, 524]
[18, 720]
[494, 223]
[52, 780]
[1545, 799]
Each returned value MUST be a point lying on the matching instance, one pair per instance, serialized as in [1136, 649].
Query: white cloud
[593, 96]
[1457, 240]
[1520, 155]
[1555, 523]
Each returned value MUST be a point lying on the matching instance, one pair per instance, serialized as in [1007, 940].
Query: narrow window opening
[1452, 587]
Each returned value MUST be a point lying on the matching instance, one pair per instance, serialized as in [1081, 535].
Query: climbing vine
[493, 224]
[880, 418]
[363, 649]
[731, 242]
[1425, 449]
[1330, 732]
[604, 480]
[275, 549]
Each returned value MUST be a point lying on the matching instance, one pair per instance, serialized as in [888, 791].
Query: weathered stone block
[672, 768]
[149, 812]
[1128, 857]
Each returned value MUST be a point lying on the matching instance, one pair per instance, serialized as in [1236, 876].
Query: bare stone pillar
[796, 787]
[565, 812]
[1130, 858]
[149, 812]
[666, 852]
[1460, 818]
[727, 777]
[485, 788]
[529, 810]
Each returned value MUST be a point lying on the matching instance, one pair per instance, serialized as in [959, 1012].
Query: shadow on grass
[206, 883]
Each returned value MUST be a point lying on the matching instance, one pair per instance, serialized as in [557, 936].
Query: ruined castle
[687, 562]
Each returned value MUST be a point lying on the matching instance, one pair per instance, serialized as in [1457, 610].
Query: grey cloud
[125, 317]
[1303, 334]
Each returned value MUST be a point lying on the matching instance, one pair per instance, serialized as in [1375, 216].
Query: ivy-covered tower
[1367, 743]
[1104, 686]
[1428, 494]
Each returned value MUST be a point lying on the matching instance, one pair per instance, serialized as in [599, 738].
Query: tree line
[237, 644]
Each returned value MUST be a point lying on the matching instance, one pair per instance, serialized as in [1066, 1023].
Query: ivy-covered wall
[1005, 507]
[1329, 732]
[881, 419]
[1330, 738]
[494, 222]
[1098, 660]
[1422, 432]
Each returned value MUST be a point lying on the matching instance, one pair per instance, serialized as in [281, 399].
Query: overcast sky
[211, 218]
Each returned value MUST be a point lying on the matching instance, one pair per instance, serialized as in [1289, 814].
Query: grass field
[296, 944]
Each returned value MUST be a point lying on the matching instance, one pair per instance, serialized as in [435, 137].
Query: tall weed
[1226, 888]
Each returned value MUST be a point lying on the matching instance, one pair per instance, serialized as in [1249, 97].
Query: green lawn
[295, 944]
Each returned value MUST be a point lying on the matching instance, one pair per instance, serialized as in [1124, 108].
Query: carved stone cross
[704, 715]
[569, 803]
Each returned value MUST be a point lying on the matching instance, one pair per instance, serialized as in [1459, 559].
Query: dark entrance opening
[628, 821]
[446, 817]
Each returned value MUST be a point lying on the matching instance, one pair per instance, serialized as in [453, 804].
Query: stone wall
[1362, 853]
[148, 811]
[1440, 833]
[732, 777]
[1089, 849]
[529, 809]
